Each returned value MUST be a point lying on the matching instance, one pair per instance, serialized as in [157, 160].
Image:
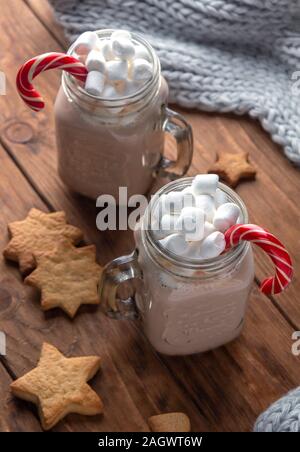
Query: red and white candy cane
[43, 63]
[272, 246]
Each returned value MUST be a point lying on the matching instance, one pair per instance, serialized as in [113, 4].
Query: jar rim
[121, 101]
[159, 253]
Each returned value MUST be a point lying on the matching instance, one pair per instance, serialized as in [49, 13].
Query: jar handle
[179, 128]
[116, 272]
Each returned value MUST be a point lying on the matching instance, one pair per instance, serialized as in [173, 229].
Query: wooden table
[223, 390]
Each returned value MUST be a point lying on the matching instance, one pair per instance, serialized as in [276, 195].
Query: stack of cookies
[44, 246]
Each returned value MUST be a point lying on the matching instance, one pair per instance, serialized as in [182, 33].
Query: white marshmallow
[220, 198]
[188, 190]
[94, 83]
[123, 48]
[164, 227]
[116, 70]
[86, 42]
[130, 88]
[106, 50]
[175, 243]
[142, 53]
[226, 216]
[174, 202]
[208, 229]
[213, 245]
[121, 34]
[158, 211]
[193, 250]
[205, 184]
[190, 195]
[191, 223]
[168, 223]
[188, 200]
[110, 92]
[141, 70]
[207, 204]
[95, 61]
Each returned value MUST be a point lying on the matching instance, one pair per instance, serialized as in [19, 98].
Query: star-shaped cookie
[67, 277]
[58, 385]
[233, 167]
[37, 233]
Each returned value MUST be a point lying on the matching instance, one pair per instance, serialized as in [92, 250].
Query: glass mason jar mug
[185, 306]
[104, 144]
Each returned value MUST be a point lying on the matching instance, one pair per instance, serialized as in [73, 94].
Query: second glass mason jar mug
[185, 306]
[104, 144]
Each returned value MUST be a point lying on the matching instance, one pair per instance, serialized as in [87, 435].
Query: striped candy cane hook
[43, 63]
[272, 246]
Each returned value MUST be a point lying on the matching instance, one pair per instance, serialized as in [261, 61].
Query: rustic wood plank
[234, 383]
[44, 12]
[9, 422]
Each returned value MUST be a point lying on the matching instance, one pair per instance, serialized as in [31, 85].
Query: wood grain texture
[25, 420]
[234, 383]
[44, 12]
[222, 390]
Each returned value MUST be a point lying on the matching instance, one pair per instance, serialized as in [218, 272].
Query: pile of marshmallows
[117, 66]
[191, 223]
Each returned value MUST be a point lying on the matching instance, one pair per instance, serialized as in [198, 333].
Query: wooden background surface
[223, 390]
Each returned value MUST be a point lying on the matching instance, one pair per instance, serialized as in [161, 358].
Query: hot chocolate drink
[110, 131]
[192, 294]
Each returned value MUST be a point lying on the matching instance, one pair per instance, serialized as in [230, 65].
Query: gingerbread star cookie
[233, 167]
[170, 422]
[67, 277]
[37, 233]
[58, 385]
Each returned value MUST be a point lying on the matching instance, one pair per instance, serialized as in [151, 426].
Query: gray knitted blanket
[236, 56]
[281, 416]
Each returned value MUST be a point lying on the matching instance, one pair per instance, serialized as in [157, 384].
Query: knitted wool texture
[236, 56]
[282, 416]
